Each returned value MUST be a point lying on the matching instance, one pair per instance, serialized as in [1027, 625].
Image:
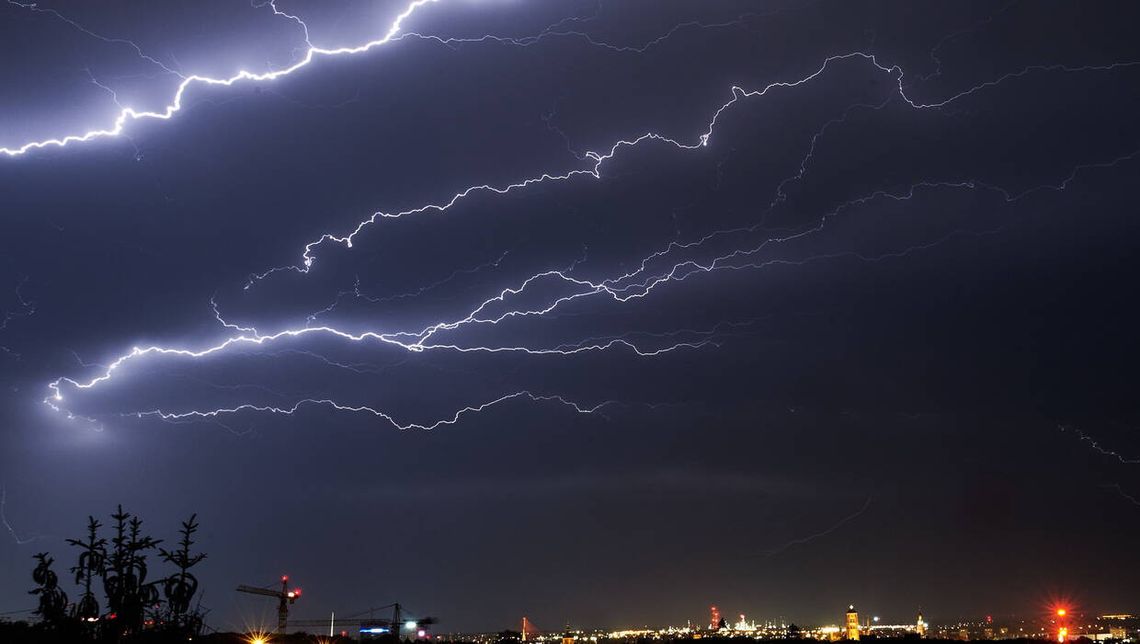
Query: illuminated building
[920, 626]
[716, 622]
[744, 626]
[829, 633]
[852, 624]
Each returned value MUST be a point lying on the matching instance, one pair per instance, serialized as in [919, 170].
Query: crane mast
[284, 597]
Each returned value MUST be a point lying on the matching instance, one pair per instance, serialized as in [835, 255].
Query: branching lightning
[620, 288]
[598, 159]
[676, 262]
[128, 115]
[364, 409]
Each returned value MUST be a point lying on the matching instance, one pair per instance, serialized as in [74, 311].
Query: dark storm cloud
[870, 411]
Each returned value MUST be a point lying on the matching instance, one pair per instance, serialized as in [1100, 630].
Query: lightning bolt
[364, 409]
[635, 284]
[812, 537]
[599, 159]
[565, 286]
[311, 53]
[1117, 456]
[20, 541]
[553, 32]
[1124, 495]
[129, 115]
[1110, 453]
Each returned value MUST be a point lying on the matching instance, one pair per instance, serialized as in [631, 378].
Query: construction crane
[285, 597]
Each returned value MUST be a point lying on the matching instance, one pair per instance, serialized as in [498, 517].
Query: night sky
[875, 342]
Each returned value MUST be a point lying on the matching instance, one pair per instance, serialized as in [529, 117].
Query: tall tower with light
[852, 623]
[920, 626]
[715, 620]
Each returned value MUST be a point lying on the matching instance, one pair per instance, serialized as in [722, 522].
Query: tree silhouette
[128, 593]
[180, 587]
[92, 563]
[121, 564]
[53, 601]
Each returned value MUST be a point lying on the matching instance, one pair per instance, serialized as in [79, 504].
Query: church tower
[852, 624]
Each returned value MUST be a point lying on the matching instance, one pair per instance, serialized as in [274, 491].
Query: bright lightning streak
[635, 284]
[620, 288]
[256, 339]
[419, 344]
[128, 115]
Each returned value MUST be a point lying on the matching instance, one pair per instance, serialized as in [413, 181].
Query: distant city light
[1053, 625]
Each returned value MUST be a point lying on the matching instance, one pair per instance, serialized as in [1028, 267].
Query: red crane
[285, 597]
